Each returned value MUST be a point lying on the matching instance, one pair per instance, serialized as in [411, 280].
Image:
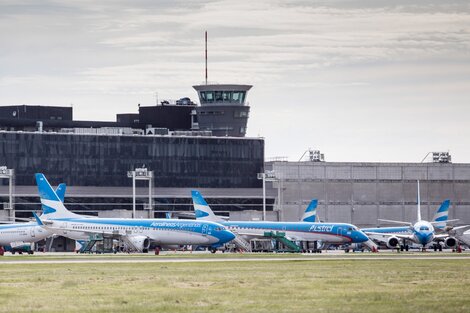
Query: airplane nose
[227, 236]
[361, 237]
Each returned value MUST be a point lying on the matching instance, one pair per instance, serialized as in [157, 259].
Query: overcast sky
[360, 80]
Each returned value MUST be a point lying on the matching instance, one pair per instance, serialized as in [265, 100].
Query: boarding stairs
[92, 240]
[241, 243]
[281, 237]
[130, 247]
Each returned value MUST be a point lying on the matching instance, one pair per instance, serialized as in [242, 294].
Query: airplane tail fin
[442, 215]
[52, 205]
[60, 191]
[310, 214]
[419, 205]
[202, 209]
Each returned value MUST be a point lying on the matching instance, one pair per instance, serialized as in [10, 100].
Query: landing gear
[213, 250]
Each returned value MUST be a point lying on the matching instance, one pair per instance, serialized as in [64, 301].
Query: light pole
[266, 176]
[10, 175]
[141, 174]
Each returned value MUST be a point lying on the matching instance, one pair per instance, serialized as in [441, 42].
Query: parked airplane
[310, 215]
[20, 237]
[421, 232]
[334, 233]
[136, 233]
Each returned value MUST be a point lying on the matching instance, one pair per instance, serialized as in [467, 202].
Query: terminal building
[362, 193]
[185, 145]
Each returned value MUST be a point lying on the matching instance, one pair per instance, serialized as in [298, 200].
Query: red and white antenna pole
[206, 57]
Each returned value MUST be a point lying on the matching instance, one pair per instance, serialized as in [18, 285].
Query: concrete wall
[360, 193]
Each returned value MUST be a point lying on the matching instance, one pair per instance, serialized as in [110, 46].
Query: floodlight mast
[10, 175]
[141, 174]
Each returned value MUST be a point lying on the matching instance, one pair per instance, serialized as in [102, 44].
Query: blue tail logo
[442, 215]
[310, 214]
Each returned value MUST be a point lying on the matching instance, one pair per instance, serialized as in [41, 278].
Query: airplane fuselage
[302, 231]
[159, 231]
[22, 232]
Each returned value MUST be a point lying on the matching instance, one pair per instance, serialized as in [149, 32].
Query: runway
[195, 259]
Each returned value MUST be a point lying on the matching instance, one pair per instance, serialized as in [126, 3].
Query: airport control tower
[223, 110]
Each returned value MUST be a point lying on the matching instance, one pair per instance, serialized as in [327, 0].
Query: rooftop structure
[223, 109]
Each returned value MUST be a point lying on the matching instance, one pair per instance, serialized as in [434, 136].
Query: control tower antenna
[206, 57]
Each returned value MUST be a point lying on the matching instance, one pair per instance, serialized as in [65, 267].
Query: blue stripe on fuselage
[21, 225]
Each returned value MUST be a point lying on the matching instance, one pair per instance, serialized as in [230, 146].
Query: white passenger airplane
[136, 233]
[20, 237]
[420, 232]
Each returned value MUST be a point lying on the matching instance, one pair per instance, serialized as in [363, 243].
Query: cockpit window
[424, 228]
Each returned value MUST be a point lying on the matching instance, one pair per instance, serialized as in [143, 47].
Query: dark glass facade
[92, 205]
[103, 160]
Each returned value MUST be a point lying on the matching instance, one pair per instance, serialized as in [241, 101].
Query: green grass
[276, 286]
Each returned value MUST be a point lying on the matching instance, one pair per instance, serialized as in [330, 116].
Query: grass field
[274, 286]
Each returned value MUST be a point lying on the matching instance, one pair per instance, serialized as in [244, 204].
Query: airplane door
[204, 230]
[64, 227]
[33, 233]
[339, 232]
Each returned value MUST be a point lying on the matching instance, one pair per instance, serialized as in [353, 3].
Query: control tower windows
[209, 95]
[237, 97]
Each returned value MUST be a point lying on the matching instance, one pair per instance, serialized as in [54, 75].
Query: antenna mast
[206, 57]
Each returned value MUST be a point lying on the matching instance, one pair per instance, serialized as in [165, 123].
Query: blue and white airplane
[20, 237]
[420, 232]
[136, 233]
[333, 233]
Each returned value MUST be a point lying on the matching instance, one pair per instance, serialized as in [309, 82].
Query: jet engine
[140, 243]
[392, 242]
[450, 242]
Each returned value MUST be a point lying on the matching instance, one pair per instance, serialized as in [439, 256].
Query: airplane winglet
[38, 220]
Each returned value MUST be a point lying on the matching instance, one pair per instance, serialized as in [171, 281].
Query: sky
[362, 81]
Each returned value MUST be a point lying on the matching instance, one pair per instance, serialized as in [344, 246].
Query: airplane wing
[247, 233]
[459, 230]
[396, 222]
[385, 236]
